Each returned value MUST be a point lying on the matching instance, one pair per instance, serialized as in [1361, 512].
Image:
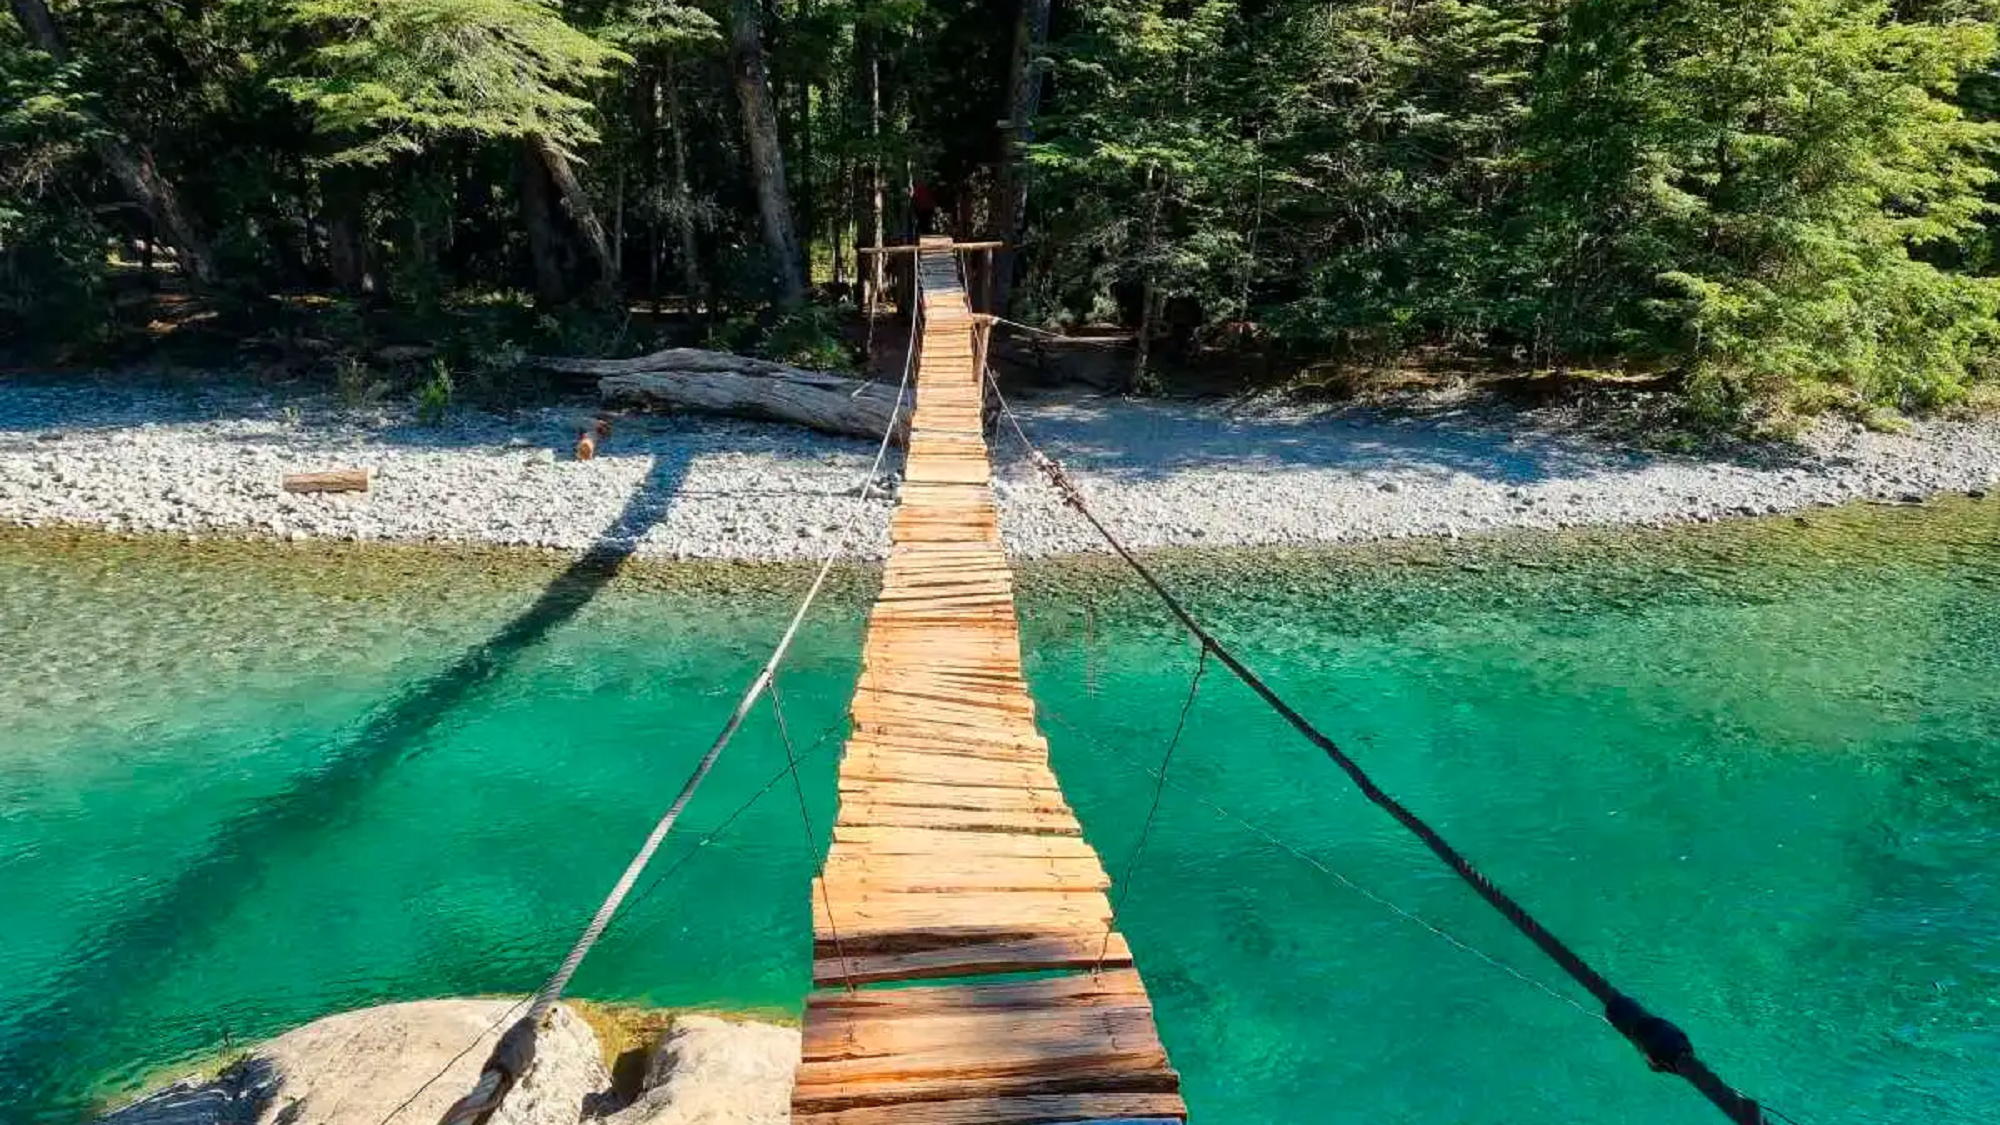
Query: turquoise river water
[1752, 771]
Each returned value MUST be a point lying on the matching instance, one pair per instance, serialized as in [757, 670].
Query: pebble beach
[209, 462]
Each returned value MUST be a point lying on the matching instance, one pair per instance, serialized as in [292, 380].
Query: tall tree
[391, 76]
[1024, 98]
[131, 164]
[767, 157]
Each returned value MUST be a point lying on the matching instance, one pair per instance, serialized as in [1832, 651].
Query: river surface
[1752, 772]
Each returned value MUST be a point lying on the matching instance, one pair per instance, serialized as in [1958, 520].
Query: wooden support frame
[914, 248]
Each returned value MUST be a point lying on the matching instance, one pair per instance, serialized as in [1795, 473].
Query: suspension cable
[812, 838]
[515, 1051]
[632, 907]
[1146, 829]
[1666, 1047]
[629, 911]
[1310, 860]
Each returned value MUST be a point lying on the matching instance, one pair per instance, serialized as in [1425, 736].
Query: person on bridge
[923, 201]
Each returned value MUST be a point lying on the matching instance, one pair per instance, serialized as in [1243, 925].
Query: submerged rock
[710, 1071]
[357, 1067]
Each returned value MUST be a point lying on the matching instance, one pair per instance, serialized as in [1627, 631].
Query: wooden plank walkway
[954, 854]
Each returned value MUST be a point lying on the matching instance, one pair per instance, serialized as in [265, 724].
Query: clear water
[1749, 770]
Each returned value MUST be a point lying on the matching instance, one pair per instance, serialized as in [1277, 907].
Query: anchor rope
[631, 908]
[1041, 331]
[515, 1051]
[1666, 1047]
[1280, 843]
[812, 838]
[1146, 829]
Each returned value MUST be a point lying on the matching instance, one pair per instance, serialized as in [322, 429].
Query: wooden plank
[887, 842]
[932, 734]
[1051, 1109]
[847, 884]
[868, 741]
[959, 872]
[964, 820]
[850, 1047]
[1022, 955]
[909, 248]
[872, 763]
[331, 480]
[1112, 988]
[996, 911]
[815, 1094]
[988, 797]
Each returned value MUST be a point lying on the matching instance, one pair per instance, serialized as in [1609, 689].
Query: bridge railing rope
[1666, 1048]
[515, 1051]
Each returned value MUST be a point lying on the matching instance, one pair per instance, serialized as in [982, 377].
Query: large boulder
[710, 1071]
[358, 1067]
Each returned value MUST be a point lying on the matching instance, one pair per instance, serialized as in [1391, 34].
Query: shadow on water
[58, 1034]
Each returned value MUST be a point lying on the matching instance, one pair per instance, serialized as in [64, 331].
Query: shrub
[434, 397]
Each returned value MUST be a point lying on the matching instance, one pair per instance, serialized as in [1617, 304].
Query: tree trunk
[1024, 96]
[877, 182]
[842, 211]
[720, 383]
[1149, 311]
[581, 211]
[767, 158]
[346, 248]
[544, 240]
[808, 210]
[618, 221]
[684, 208]
[130, 164]
[1149, 290]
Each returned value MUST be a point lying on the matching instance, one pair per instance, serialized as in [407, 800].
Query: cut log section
[333, 480]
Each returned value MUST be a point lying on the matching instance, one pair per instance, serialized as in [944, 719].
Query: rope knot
[1666, 1047]
[1058, 478]
[511, 1058]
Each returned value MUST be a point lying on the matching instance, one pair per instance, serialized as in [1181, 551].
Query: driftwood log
[720, 383]
[333, 480]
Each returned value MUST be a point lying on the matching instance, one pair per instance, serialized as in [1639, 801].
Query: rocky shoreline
[411, 1061]
[208, 462]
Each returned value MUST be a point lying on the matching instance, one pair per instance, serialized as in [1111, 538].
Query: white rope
[494, 1081]
[553, 990]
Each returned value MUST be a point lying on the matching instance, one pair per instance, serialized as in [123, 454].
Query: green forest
[1752, 199]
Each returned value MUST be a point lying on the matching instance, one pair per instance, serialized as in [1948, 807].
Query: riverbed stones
[1161, 474]
[357, 1067]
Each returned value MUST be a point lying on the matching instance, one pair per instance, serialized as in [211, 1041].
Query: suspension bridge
[954, 855]
[966, 964]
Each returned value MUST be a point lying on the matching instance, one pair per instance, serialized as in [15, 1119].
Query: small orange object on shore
[586, 446]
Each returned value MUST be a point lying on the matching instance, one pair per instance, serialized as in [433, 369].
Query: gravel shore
[208, 462]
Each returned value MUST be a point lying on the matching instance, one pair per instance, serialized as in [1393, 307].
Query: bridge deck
[954, 854]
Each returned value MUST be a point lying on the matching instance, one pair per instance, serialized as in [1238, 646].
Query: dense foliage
[1751, 195]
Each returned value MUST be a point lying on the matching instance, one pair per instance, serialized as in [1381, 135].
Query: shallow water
[1748, 770]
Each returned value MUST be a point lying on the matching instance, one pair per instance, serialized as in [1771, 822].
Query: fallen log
[720, 383]
[333, 480]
